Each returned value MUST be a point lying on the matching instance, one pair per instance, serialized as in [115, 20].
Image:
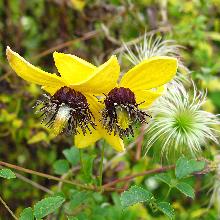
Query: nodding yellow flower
[72, 105]
[137, 90]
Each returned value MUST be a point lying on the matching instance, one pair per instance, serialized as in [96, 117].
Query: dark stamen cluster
[80, 115]
[117, 101]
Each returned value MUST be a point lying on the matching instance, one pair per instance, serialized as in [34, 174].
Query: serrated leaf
[186, 189]
[7, 174]
[72, 155]
[135, 195]
[197, 165]
[164, 177]
[27, 214]
[47, 206]
[166, 208]
[186, 167]
[182, 167]
[61, 166]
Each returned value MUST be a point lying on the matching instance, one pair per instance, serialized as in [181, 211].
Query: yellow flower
[72, 104]
[78, 4]
[137, 90]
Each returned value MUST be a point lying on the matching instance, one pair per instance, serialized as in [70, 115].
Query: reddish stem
[131, 177]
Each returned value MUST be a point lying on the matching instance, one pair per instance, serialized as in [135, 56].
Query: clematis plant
[72, 104]
[94, 103]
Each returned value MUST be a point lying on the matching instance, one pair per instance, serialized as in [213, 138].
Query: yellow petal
[82, 141]
[50, 90]
[88, 139]
[150, 73]
[114, 140]
[94, 105]
[72, 68]
[147, 97]
[103, 80]
[31, 73]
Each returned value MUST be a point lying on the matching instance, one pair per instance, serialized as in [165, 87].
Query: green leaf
[7, 174]
[47, 206]
[27, 214]
[135, 195]
[164, 177]
[186, 189]
[61, 166]
[197, 166]
[78, 197]
[72, 218]
[88, 166]
[186, 167]
[72, 155]
[166, 208]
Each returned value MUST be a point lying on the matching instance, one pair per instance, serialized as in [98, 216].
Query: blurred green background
[93, 30]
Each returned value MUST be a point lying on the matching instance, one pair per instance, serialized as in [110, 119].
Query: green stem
[101, 165]
[81, 160]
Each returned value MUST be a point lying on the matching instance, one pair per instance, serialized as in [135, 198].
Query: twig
[131, 177]
[87, 36]
[9, 210]
[138, 39]
[44, 175]
[90, 187]
[66, 44]
[108, 36]
[37, 185]
[65, 175]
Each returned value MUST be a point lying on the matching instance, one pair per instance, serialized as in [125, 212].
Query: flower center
[183, 121]
[67, 110]
[121, 112]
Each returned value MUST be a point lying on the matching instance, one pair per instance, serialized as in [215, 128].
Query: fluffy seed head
[179, 125]
[152, 46]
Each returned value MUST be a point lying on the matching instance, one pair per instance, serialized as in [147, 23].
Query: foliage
[7, 173]
[94, 30]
